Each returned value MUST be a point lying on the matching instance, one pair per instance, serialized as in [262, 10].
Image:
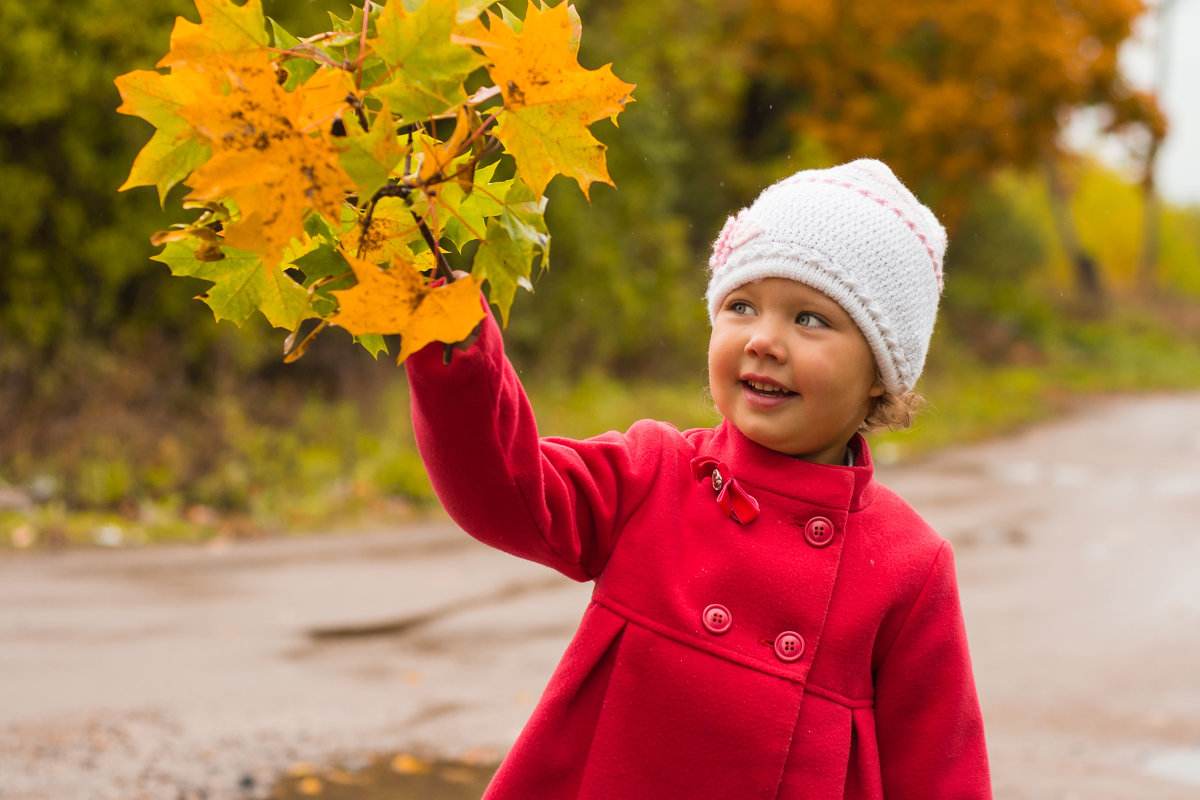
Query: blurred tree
[731, 95]
[72, 271]
[1151, 203]
[77, 288]
[65, 270]
[946, 91]
[625, 288]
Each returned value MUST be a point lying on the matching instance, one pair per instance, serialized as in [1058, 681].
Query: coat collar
[766, 469]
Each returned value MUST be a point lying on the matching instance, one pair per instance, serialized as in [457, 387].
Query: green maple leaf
[241, 285]
[528, 209]
[299, 69]
[471, 9]
[485, 200]
[165, 161]
[174, 150]
[354, 23]
[428, 68]
[373, 343]
[514, 241]
[369, 157]
[321, 264]
[511, 20]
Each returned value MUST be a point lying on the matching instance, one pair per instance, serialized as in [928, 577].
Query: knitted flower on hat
[856, 234]
[737, 231]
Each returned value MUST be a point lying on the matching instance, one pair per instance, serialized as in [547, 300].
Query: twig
[401, 190]
[443, 266]
[306, 50]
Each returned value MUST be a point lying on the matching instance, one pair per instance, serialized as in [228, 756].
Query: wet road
[182, 671]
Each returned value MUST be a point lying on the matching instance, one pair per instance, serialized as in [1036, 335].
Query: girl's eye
[809, 320]
[740, 307]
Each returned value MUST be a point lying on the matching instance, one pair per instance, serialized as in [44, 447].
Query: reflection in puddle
[401, 777]
[1181, 766]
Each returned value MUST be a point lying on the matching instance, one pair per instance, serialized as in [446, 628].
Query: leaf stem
[483, 126]
[362, 45]
[300, 349]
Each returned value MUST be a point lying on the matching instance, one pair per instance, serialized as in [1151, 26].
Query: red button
[819, 531]
[717, 619]
[789, 646]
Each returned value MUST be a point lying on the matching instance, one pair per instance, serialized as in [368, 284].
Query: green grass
[332, 465]
[970, 400]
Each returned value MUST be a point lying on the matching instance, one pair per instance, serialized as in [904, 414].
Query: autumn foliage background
[127, 408]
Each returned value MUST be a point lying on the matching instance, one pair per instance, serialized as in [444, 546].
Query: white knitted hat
[856, 234]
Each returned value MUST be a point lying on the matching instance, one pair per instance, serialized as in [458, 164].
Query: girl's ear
[877, 388]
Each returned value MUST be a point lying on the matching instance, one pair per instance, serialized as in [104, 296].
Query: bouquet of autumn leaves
[334, 177]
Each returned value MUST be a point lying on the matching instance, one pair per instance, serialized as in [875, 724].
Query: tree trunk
[1084, 268]
[1151, 203]
[1151, 211]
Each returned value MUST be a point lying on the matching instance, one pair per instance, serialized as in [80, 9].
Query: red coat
[817, 651]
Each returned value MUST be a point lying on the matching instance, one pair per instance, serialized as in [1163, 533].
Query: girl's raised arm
[555, 501]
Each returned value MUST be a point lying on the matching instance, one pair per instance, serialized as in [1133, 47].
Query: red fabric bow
[731, 497]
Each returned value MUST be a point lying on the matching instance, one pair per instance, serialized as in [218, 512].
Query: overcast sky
[1178, 172]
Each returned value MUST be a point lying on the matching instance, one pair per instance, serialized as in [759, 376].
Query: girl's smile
[790, 369]
[764, 391]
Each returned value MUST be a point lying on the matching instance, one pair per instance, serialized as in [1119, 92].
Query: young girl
[767, 620]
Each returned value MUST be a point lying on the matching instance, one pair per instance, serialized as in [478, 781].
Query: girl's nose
[766, 341]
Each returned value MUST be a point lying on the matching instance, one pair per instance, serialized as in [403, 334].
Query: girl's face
[790, 369]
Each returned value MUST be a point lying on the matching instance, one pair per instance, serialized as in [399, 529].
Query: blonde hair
[891, 412]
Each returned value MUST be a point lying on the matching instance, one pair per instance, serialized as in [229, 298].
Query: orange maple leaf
[263, 160]
[549, 99]
[323, 97]
[398, 300]
[226, 33]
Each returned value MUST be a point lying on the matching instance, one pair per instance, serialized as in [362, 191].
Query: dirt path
[203, 671]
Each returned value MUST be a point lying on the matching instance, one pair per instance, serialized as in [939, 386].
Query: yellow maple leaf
[391, 232]
[226, 33]
[263, 160]
[398, 300]
[549, 99]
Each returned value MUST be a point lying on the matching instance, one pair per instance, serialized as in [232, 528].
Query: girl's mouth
[764, 389]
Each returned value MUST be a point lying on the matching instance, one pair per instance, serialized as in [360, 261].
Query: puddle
[1181, 766]
[401, 777]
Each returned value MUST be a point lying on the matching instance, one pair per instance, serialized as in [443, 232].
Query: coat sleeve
[555, 501]
[928, 721]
